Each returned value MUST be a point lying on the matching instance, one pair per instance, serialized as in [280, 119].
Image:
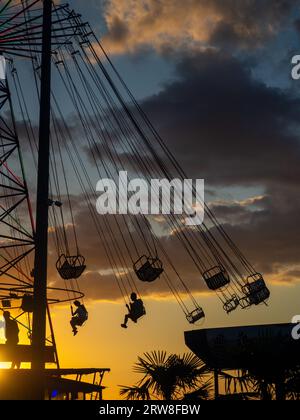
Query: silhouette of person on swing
[78, 317]
[135, 310]
[12, 336]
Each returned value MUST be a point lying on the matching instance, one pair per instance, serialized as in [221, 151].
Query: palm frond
[135, 392]
[202, 393]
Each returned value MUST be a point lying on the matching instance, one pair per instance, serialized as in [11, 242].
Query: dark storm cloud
[228, 212]
[297, 25]
[227, 127]
[65, 129]
[270, 238]
[249, 24]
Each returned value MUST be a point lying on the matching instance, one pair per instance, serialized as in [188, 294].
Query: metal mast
[41, 238]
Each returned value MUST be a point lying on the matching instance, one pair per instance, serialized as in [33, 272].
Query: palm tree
[261, 385]
[168, 377]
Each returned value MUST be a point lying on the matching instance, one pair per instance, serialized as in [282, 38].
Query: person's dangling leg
[73, 323]
[124, 325]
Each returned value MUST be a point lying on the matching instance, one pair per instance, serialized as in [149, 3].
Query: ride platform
[246, 347]
[18, 384]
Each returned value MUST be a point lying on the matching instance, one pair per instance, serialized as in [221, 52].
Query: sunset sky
[214, 77]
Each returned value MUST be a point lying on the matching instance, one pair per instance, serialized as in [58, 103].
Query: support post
[41, 237]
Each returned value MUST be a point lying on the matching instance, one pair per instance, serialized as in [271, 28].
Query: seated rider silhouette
[79, 316]
[136, 310]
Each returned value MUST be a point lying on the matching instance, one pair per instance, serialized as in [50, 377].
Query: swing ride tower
[37, 382]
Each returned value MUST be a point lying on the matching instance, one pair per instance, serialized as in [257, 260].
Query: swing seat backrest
[70, 267]
[148, 269]
[82, 319]
[27, 303]
[81, 322]
[138, 310]
[231, 304]
[195, 316]
[256, 290]
[216, 278]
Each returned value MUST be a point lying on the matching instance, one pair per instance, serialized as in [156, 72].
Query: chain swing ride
[112, 134]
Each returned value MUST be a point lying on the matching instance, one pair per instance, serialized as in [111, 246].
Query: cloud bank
[192, 24]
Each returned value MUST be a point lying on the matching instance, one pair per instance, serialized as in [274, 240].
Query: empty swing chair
[231, 304]
[27, 303]
[216, 278]
[148, 269]
[6, 303]
[70, 267]
[195, 315]
[255, 291]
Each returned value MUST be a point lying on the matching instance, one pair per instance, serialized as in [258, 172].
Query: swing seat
[216, 278]
[6, 303]
[231, 304]
[27, 303]
[81, 321]
[195, 315]
[148, 269]
[255, 290]
[70, 267]
[138, 314]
